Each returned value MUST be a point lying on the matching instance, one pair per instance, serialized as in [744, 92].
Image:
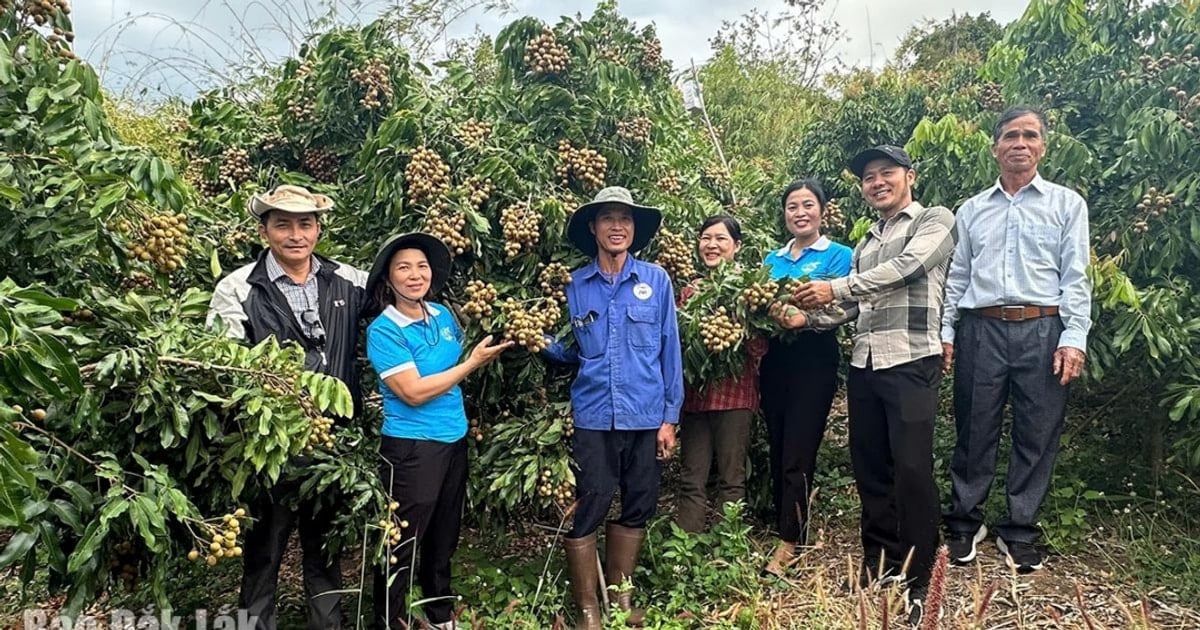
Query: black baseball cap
[883, 151]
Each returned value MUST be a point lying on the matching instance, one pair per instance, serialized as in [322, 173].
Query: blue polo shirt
[823, 260]
[395, 343]
[627, 347]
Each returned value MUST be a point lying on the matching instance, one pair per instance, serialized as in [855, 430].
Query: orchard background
[130, 435]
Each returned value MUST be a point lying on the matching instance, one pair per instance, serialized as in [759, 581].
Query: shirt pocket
[1042, 243]
[644, 327]
[589, 335]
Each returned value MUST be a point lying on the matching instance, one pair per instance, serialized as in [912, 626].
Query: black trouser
[266, 541]
[797, 383]
[606, 461]
[429, 481]
[993, 360]
[891, 448]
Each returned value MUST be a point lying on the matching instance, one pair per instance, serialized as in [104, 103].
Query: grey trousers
[725, 434]
[998, 362]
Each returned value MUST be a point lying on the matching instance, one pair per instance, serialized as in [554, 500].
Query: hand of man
[814, 294]
[787, 315]
[947, 357]
[666, 441]
[1068, 364]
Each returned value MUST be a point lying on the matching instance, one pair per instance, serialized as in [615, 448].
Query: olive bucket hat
[646, 220]
[435, 251]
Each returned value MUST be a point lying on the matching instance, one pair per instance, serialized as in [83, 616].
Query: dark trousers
[725, 434]
[797, 384]
[606, 461]
[891, 449]
[429, 481]
[266, 540]
[995, 361]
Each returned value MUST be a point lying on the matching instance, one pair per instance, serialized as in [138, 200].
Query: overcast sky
[161, 45]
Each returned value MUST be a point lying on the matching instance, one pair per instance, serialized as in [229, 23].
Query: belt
[1018, 313]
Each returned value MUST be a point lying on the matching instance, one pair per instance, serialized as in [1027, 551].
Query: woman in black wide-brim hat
[415, 347]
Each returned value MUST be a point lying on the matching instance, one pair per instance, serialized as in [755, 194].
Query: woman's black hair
[731, 224]
[808, 183]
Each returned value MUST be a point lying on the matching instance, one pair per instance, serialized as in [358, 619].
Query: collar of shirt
[880, 227]
[820, 245]
[402, 320]
[1037, 183]
[627, 270]
[275, 270]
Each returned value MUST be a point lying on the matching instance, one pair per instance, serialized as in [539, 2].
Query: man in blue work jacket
[627, 395]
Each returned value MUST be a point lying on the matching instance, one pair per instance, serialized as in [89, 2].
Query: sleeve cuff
[672, 414]
[398, 369]
[1073, 339]
[948, 334]
[840, 288]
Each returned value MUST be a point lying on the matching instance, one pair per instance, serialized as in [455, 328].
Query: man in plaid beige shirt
[895, 291]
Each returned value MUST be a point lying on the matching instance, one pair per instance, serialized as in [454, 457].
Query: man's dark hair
[808, 183]
[730, 223]
[1013, 113]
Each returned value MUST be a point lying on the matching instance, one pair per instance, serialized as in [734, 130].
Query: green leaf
[6, 64]
[214, 264]
[35, 98]
[17, 547]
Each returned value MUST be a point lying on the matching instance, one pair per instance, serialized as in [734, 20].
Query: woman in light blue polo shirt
[415, 347]
[798, 377]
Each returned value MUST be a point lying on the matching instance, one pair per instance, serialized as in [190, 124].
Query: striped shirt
[895, 288]
[302, 298]
[1030, 248]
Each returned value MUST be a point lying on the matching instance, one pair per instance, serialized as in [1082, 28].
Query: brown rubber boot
[621, 546]
[585, 579]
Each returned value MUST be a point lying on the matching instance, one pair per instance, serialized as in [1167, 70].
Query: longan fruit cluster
[194, 174]
[124, 564]
[585, 165]
[476, 430]
[474, 132]
[302, 107]
[613, 54]
[222, 541]
[527, 326]
[521, 225]
[43, 11]
[376, 81]
[671, 183]
[275, 148]
[448, 227]
[1152, 66]
[674, 256]
[321, 163]
[393, 528]
[716, 176]
[320, 434]
[137, 280]
[759, 295]
[833, 218]
[719, 331]
[990, 97]
[480, 297]
[544, 55]
[561, 492]
[427, 175]
[1154, 204]
[162, 241]
[652, 54]
[235, 166]
[1187, 103]
[636, 129]
[478, 190]
[553, 278]
[80, 315]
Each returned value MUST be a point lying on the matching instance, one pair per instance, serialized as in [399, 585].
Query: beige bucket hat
[289, 198]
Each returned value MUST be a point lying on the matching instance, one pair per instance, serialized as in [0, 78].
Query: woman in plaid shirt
[800, 373]
[716, 421]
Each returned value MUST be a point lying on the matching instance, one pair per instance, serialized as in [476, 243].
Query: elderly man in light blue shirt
[1018, 308]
